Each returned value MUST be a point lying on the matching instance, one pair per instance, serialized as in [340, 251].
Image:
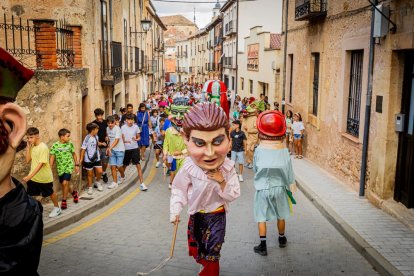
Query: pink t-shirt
[162, 103]
[191, 186]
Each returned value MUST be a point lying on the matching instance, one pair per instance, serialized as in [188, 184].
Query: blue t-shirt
[167, 124]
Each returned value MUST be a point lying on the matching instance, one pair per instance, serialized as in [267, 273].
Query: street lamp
[145, 26]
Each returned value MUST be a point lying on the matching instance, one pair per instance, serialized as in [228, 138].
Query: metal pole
[284, 56]
[368, 106]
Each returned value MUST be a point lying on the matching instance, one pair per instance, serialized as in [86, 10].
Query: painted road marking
[100, 217]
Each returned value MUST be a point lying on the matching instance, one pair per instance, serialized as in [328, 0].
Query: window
[251, 86]
[126, 43]
[242, 83]
[355, 91]
[232, 83]
[290, 77]
[315, 90]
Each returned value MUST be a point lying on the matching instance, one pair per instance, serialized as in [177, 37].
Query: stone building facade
[259, 65]
[327, 60]
[229, 12]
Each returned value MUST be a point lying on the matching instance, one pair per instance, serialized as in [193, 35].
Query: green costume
[64, 157]
[174, 142]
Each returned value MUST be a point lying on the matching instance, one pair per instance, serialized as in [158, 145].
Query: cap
[271, 123]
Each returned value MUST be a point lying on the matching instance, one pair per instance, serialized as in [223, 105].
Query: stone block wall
[53, 100]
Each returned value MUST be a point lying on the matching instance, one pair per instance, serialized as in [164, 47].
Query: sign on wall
[253, 57]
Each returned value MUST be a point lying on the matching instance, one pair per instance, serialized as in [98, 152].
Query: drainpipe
[368, 106]
[284, 56]
[237, 52]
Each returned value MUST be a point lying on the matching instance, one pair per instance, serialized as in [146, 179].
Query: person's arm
[166, 147]
[149, 121]
[52, 160]
[179, 194]
[75, 159]
[125, 141]
[34, 172]
[28, 155]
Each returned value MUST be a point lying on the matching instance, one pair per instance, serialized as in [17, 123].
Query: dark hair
[32, 131]
[110, 119]
[300, 116]
[130, 105]
[153, 111]
[129, 116]
[99, 111]
[162, 119]
[122, 109]
[237, 122]
[63, 132]
[91, 126]
[289, 114]
[205, 117]
[116, 117]
[141, 105]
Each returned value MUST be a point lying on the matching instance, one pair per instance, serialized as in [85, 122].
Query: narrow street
[135, 237]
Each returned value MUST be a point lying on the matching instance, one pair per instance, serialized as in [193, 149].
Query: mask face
[251, 108]
[177, 113]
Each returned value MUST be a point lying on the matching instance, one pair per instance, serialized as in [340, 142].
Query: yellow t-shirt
[40, 154]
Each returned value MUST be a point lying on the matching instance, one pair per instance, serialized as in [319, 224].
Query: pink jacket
[191, 186]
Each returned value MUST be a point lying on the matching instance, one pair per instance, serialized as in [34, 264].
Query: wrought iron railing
[136, 61]
[355, 91]
[18, 38]
[111, 71]
[308, 9]
[64, 45]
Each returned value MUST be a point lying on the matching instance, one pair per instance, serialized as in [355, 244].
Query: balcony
[229, 28]
[132, 60]
[228, 62]
[309, 9]
[152, 66]
[111, 63]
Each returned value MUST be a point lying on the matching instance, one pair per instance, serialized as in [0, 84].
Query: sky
[204, 11]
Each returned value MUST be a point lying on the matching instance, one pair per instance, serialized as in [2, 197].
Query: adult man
[130, 110]
[21, 222]
[250, 129]
[102, 141]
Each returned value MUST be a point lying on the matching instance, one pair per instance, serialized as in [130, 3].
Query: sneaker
[121, 179]
[169, 186]
[55, 212]
[95, 185]
[282, 241]
[250, 166]
[241, 178]
[99, 186]
[157, 165]
[90, 190]
[75, 196]
[63, 205]
[105, 178]
[168, 172]
[113, 185]
[143, 187]
[261, 250]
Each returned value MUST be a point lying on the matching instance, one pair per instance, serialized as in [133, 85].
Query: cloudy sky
[204, 11]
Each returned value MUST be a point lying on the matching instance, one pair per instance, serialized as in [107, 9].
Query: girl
[144, 124]
[289, 134]
[298, 129]
[154, 121]
[273, 176]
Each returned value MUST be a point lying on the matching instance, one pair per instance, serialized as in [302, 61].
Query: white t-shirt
[297, 127]
[90, 146]
[129, 133]
[115, 133]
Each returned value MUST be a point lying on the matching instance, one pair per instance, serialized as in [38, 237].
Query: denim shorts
[116, 158]
[237, 156]
[297, 136]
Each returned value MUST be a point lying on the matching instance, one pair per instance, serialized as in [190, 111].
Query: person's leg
[90, 178]
[121, 171]
[295, 141]
[139, 170]
[261, 249]
[98, 172]
[281, 228]
[157, 155]
[65, 189]
[54, 199]
[113, 171]
[241, 168]
[300, 147]
[262, 228]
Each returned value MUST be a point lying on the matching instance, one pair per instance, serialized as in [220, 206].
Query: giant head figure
[178, 108]
[271, 125]
[12, 119]
[206, 131]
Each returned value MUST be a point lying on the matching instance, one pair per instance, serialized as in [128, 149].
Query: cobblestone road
[137, 237]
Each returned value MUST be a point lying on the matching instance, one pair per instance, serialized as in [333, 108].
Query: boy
[40, 179]
[238, 146]
[159, 140]
[102, 142]
[130, 136]
[115, 151]
[90, 156]
[66, 161]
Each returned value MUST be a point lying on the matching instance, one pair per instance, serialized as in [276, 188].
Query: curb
[87, 210]
[381, 264]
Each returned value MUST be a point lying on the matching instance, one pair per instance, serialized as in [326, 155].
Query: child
[40, 178]
[207, 183]
[273, 175]
[102, 143]
[115, 151]
[159, 140]
[236, 114]
[63, 152]
[90, 156]
[298, 129]
[289, 134]
[130, 137]
[117, 120]
[238, 146]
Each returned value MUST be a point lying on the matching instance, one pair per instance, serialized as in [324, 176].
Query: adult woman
[144, 124]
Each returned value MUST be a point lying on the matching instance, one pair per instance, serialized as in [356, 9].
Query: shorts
[65, 177]
[91, 165]
[158, 146]
[132, 155]
[170, 159]
[297, 136]
[117, 158]
[104, 157]
[173, 165]
[237, 157]
[36, 188]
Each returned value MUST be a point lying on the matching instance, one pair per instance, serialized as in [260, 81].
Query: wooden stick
[174, 237]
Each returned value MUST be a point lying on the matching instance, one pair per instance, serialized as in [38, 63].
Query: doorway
[404, 182]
